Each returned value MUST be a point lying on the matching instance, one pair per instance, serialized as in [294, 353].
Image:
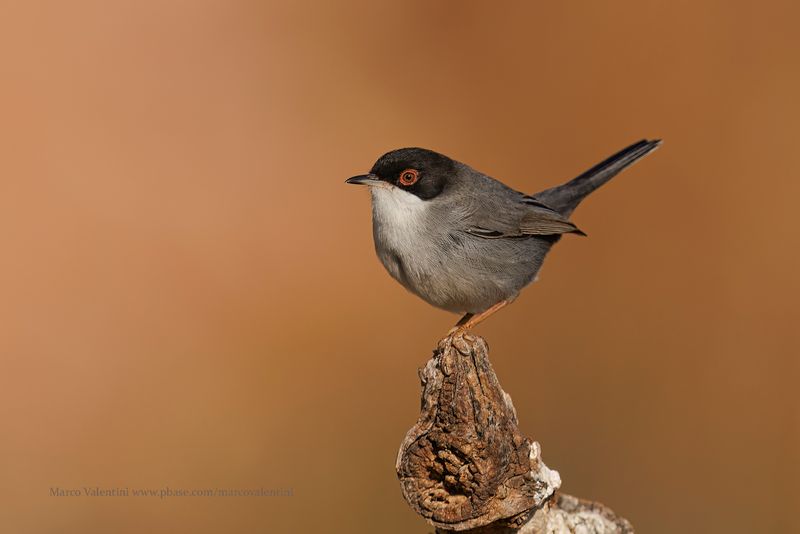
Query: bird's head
[418, 171]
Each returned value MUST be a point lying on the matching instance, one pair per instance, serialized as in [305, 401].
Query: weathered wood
[465, 466]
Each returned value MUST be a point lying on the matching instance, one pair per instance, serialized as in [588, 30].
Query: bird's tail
[566, 197]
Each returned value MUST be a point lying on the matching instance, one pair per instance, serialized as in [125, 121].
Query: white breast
[398, 218]
[413, 243]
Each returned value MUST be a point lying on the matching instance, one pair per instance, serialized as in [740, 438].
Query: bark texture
[465, 466]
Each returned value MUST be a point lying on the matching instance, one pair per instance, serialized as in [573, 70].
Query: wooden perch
[466, 467]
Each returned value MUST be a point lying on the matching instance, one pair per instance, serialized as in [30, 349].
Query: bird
[464, 241]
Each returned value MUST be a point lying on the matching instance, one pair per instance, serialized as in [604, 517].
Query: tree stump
[466, 467]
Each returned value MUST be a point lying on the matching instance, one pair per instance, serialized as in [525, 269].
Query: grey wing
[518, 215]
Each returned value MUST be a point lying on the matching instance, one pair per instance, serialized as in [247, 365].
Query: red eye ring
[409, 177]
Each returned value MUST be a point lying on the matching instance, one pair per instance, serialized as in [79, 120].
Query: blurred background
[190, 296]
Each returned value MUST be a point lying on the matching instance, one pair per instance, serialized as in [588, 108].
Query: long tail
[566, 197]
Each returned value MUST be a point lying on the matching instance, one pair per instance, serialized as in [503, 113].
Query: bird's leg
[471, 319]
[463, 320]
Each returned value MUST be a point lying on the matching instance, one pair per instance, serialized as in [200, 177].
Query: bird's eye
[409, 177]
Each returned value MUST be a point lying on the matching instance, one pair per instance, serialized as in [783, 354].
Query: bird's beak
[364, 179]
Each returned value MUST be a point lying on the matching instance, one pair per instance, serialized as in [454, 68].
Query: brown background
[189, 295]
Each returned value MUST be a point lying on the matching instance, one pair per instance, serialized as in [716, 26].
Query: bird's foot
[460, 338]
[460, 330]
[472, 319]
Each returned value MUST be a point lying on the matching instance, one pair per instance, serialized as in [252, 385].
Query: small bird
[463, 241]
